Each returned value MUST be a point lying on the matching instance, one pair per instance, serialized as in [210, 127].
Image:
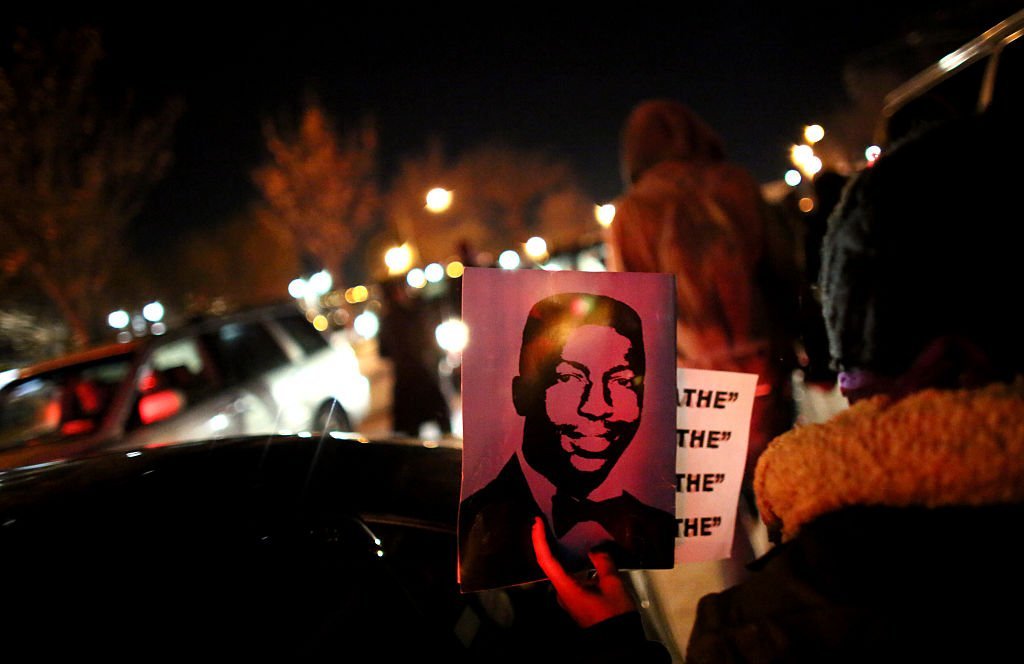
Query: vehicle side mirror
[160, 405]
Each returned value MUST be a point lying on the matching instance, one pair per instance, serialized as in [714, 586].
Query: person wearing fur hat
[895, 521]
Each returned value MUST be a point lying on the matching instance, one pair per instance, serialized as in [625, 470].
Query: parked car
[262, 371]
[276, 547]
[986, 72]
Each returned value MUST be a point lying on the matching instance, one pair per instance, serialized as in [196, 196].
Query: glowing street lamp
[398, 259]
[455, 269]
[434, 272]
[366, 324]
[153, 312]
[536, 248]
[508, 259]
[297, 288]
[438, 199]
[321, 282]
[118, 319]
[814, 133]
[416, 278]
[452, 335]
[604, 214]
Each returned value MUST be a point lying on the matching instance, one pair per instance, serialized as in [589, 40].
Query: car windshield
[66, 402]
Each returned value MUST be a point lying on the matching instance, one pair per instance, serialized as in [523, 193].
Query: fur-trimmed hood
[932, 448]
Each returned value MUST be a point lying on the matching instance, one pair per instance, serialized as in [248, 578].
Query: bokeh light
[366, 324]
[536, 248]
[153, 312]
[455, 269]
[118, 319]
[509, 259]
[438, 199]
[604, 214]
[452, 335]
[320, 283]
[416, 278]
[398, 259]
[434, 272]
[357, 294]
[297, 288]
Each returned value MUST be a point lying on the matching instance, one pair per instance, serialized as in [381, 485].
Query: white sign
[712, 429]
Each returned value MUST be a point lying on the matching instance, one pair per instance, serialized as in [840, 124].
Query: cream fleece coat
[932, 448]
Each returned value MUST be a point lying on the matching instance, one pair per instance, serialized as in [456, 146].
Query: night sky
[556, 80]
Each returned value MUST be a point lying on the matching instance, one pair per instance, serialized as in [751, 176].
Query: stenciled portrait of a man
[568, 414]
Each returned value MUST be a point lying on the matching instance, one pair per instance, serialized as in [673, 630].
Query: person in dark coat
[406, 339]
[580, 392]
[689, 211]
[895, 521]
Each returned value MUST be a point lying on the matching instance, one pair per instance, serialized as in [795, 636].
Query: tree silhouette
[74, 172]
[501, 196]
[237, 264]
[320, 187]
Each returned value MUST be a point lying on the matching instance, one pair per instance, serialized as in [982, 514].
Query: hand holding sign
[606, 596]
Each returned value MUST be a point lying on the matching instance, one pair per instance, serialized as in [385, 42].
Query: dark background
[560, 80]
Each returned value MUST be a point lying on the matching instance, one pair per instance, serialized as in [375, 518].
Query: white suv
[263, 371]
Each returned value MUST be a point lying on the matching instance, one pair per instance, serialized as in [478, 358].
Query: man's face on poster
[584, 405]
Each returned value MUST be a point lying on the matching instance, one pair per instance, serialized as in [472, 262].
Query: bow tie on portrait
[567, 511]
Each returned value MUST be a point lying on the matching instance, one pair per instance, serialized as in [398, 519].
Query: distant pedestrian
[406, 338]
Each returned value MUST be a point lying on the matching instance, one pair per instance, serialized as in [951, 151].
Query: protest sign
[568, 387]
[712, 431]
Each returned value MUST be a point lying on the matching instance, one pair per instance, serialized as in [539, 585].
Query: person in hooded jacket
[690, 211]
[895, 521]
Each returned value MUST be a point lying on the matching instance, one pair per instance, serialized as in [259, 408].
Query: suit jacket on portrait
[495, 548]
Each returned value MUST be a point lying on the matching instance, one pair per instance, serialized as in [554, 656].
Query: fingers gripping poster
[572, 411]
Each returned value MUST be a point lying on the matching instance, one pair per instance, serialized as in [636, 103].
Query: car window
[67, 402]
[247, 350]
[180, 366]
[303, 332]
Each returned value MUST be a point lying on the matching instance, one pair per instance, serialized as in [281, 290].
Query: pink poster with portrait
[568, 396]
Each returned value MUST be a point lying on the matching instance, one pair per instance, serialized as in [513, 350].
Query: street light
[416, 278]
[153, 312]
[509, 259]
[321, 282]
[434, 272]
[604, 214]
[398, 259]
[536, 248]
[118, 319]
[438, 200]
[297, 288]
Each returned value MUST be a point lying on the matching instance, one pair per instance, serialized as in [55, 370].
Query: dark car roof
[80, 357]
[193, 326]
